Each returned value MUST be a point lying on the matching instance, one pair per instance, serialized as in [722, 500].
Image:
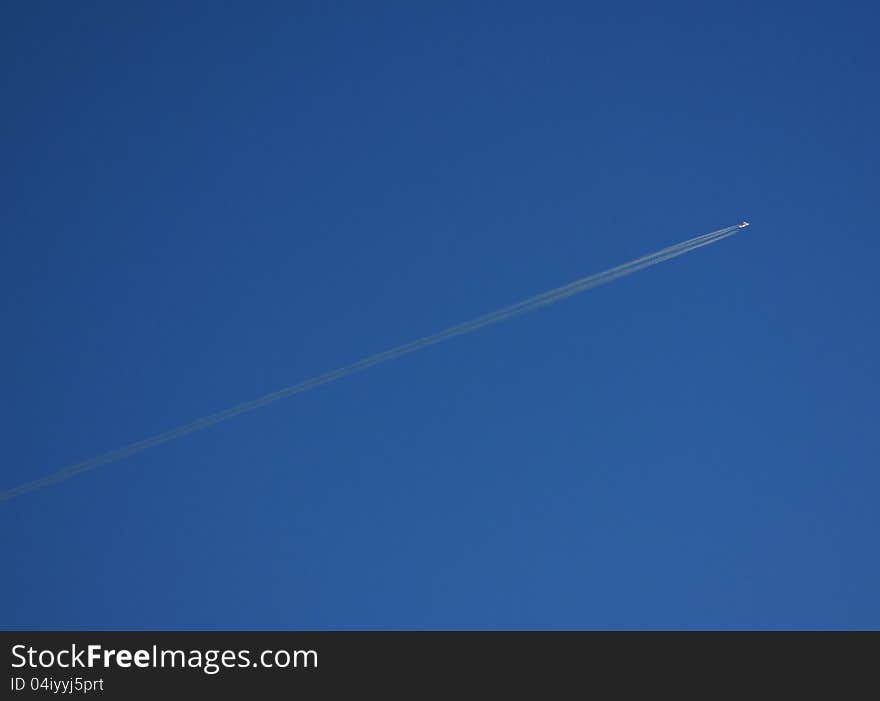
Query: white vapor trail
[526, 305]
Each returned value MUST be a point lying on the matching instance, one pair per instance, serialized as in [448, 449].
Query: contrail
[526, 305]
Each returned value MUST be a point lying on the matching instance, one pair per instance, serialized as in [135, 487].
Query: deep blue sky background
[202, 204]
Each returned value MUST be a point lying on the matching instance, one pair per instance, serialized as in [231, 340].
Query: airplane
[743, 225]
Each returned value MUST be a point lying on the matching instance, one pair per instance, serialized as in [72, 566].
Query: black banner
[150, 664]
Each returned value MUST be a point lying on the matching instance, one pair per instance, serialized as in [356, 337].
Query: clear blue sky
[203, 203]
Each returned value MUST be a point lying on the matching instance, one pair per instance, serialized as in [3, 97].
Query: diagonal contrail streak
[513, 310]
